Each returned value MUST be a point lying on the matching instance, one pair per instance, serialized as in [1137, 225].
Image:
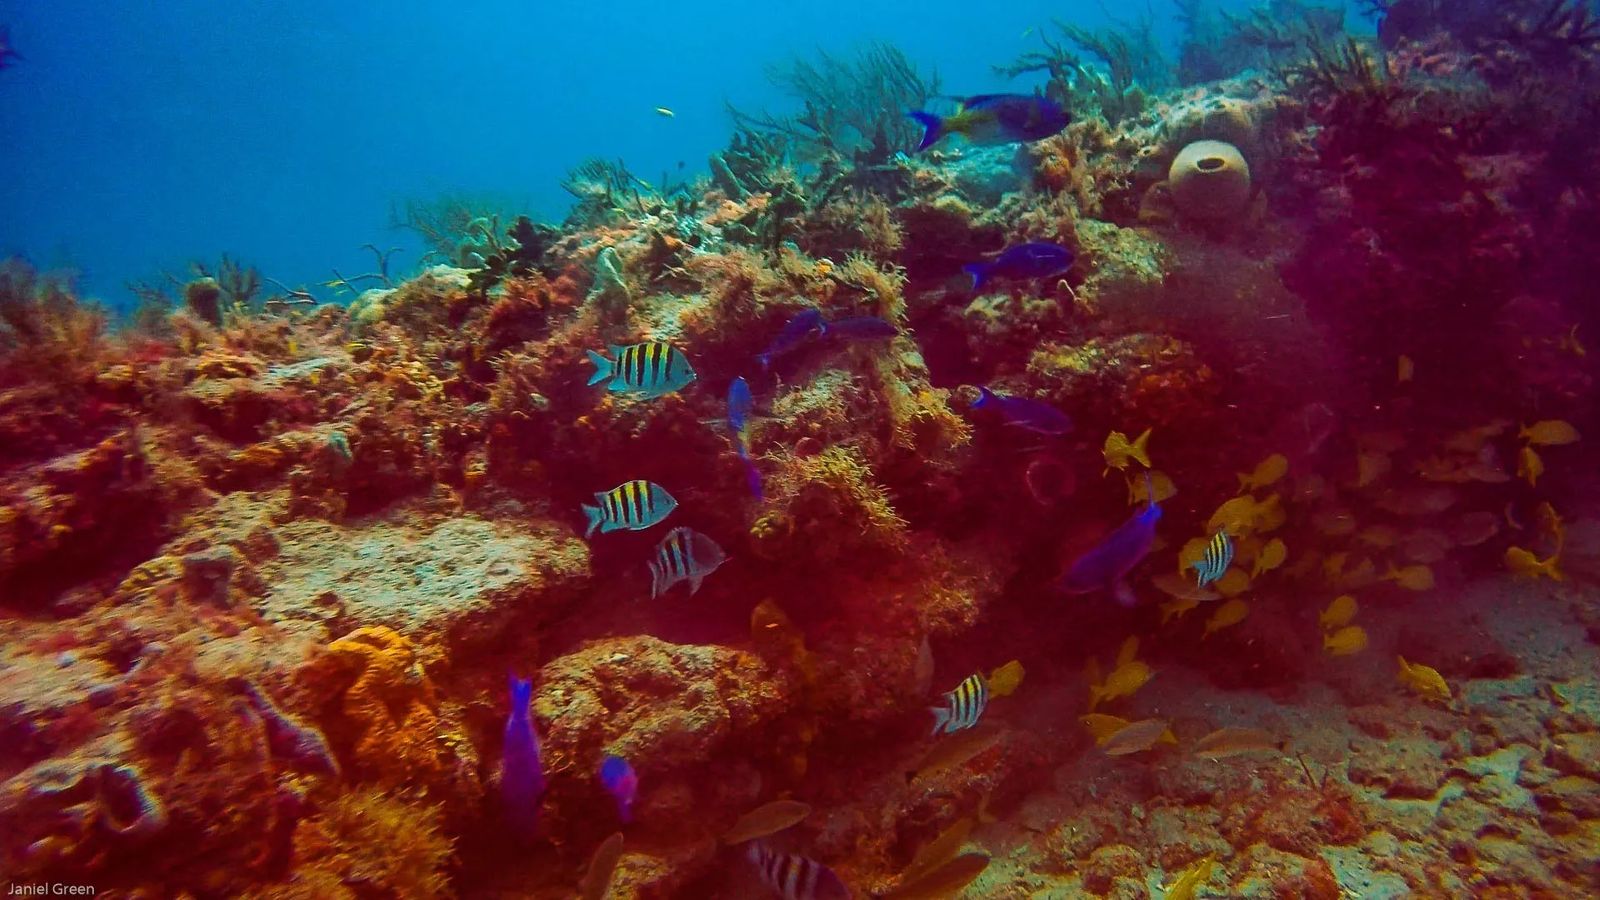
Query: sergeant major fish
[795, 877]
[651, 369]
[632, 505]
[962, 706]
[683, 555]
[1218, 555]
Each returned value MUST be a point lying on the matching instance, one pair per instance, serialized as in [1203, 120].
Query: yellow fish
[1412, 578]
[1232, 583]
[1003, 681]
[1270, 515]
[1228, 614]
[1174, 609]
[1123, 681]
[1341, 612]
[1118, 451]
[1424, 680]
[1102, 726]
[1270, 557]
[1333, 565]
[1550, 525]
[768, 818]
[1266, 473]
[1524, 563]
[664, 112]
[1380, 536]
[1406, 369]
[1529, 465]
[1236, 741]
[1472, 440]
[1137, 737]
[1190, 879]
[1570, 343]
[1549, 433]
[1164, 488]
[1349, 640]
[1128, 651]
[1236, 516]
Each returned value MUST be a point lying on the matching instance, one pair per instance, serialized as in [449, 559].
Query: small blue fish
[521, 770]
[1108, 564]
[683, 555]
[962, 706]
[7, 52]
[990, 119]
[740, 402]
[1036, 260]
[1032, 415]
[634, 505]
[793, 334]
[795, 877]
[752, 478]
[621, 783]
[651, 369]
[863, 328]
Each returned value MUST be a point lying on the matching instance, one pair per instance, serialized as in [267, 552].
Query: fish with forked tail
[521, 770]
[993, 119]
[1107, 564]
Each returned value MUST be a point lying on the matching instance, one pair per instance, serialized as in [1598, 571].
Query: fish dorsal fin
[1129, 650]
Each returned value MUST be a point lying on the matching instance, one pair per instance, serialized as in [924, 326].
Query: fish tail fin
[603, 368]
[977, 271]
[1141, 450]
[694, 583]
[595, 515]
[933, 128]
[1551, 569]
[655, 580]
[521, 694]
[1096, 694]
[941, 718]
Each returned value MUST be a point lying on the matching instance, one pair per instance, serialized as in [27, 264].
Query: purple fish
[793, 334]
[863, 328]
[1032, 415]
[1108, 564]
[621, 783]
[1037, 260]
[795, 877]
[521, 771]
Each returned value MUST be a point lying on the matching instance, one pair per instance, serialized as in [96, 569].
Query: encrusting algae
[306, 599]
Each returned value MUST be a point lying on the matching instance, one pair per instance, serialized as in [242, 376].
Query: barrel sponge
[1209, 180]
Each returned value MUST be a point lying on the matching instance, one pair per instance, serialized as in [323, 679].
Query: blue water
[140, 137]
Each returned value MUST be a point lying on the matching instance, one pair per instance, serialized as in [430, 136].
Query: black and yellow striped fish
[962, 706]
[651, 369]
[683, 555]
[1218, 555]
[634, 505]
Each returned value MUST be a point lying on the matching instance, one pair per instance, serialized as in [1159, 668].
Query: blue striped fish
[651, 369]
[1215, 561]
[962, 706]
[795, 877]
[634, 505]
[683, 555]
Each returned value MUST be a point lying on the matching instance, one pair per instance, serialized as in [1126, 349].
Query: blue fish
[990, 119]
[1035, 260]
[1108, 564]
[651, 369]
[521, 770]
[622, 783]
[740, 402]
[1032, 415]
[863, 328]
[793, 334]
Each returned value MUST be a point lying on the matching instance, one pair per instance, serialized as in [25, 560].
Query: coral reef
[265, 569]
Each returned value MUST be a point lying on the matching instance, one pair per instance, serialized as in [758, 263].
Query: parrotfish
[962, 707]
[991, 119]
[795, 877]
[521, 771]
[740, 403]
[862, 328]
[1036, 260]
[683, 555]
[1108, 564]
[793, 334]
[633, 505]
[651, 369]
[1031, 415]
[622, 783]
